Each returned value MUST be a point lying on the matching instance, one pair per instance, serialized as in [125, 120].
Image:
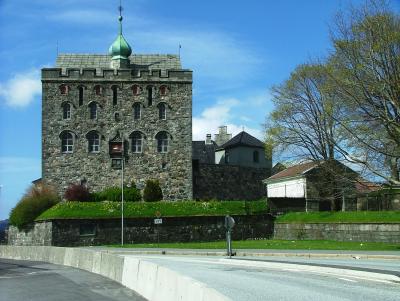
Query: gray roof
[102, 61]
[242, 139]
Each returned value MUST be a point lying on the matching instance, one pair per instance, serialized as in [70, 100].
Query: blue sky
[236, 49]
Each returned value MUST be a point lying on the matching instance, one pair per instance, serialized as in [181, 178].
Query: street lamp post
[122, 192]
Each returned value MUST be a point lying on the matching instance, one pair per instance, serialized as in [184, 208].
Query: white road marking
[345, 279]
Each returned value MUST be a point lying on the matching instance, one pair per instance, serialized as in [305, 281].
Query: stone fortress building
[98, 109]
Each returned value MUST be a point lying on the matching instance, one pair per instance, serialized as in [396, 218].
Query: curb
[253, 254]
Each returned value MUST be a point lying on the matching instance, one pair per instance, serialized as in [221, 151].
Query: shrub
[77, 192]
[35, 201]
[152, 191]
[113, 194]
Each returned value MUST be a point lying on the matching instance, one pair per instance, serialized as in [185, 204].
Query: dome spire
[120, 49]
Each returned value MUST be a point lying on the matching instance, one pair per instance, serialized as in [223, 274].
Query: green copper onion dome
[120, 49]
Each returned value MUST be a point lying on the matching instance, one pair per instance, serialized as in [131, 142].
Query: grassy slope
[141, 209]
[278, 245]
[341, 217]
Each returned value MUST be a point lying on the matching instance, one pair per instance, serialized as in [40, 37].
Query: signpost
[229, 224]
[158, 221]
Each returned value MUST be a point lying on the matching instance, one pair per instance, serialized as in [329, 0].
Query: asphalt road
[39, 281]
[252, 283]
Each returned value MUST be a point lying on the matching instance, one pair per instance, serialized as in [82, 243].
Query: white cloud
[221, 114]
[21, 90]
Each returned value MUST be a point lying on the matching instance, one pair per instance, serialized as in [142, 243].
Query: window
[67, 142]
[227, 157]
[80, 91]
[116, 163]
[117, 117]
[64, 89]
[115, 95]
[93, 142]
[92, 110]
[87, 230]
[137, 142]
[66, 111]
[150, 96]
[162, 113]
[163, 90]
[162, 142]
[98, 90]
[136, 111]
[256, 158]
[136, 90]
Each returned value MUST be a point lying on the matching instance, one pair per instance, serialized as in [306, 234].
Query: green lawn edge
[273, 244]
[103, 210]
[340, 217]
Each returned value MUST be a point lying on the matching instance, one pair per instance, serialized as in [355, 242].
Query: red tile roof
[294, 170]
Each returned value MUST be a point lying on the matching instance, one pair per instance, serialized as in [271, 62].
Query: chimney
[208, 139]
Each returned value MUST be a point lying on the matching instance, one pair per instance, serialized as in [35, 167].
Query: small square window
[116, 163]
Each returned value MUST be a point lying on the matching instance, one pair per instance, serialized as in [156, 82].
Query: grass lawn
[87, 210]
[277, 244]
[341, 217]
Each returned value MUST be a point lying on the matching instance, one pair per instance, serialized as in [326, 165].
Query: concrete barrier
[152, 281]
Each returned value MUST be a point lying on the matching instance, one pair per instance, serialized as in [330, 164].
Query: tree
[305, 124]
[366, 76]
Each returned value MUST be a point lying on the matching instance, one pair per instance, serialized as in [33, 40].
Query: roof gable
[242, 139]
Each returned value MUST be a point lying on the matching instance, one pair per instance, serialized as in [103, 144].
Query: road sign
[158, 221]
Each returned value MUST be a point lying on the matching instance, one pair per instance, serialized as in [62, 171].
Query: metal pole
[122, 194]
[229, 245]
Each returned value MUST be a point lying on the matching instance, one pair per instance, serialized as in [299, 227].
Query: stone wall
[37, 234]
[228, 182]
[140, 230]
[339, 232]
[173, 169]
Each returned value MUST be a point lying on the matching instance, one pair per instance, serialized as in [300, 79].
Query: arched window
[136, 111]
[256, 157]
[93, 110]
[162, 111]
[80, 92]
[63, 89]
[114, 95]
[150, 96]
[98, 90]
[136, 90]
[93, 142]
[137, 142]
[162, 142]
[66, 107]
[163, 90]
[67, 142]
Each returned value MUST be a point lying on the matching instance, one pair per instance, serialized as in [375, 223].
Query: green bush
[152, 191]
[37, 200]
[113, 194]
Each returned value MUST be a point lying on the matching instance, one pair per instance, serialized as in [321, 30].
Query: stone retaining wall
[140, 230]
[340, 232]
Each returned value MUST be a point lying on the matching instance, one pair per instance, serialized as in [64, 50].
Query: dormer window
[63, 89]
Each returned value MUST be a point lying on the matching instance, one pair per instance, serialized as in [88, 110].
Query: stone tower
[104, 112]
